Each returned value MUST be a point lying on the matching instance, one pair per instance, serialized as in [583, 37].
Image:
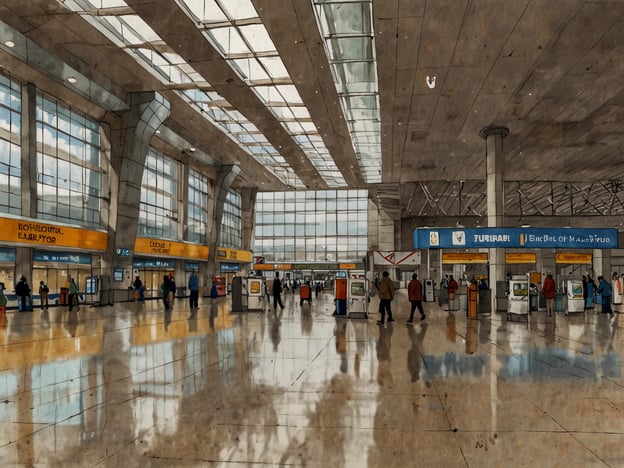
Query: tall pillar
[227, 175]
[129, 148]
[493, 137]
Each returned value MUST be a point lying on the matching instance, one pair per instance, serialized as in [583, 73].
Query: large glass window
[158, 216]
[10, 149]
[314, 226]
[231, 222]
[197, 208]
[69, 170]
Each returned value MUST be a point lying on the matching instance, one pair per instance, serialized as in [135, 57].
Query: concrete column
[129, 147]
[493, 137]
[227, 175]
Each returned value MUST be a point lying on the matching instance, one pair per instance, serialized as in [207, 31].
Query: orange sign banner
[157, 247]
[464, 257]
[575, 258]
[520, 258]
[51, 235]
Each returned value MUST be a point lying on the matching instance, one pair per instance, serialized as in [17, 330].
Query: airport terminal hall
[311, 233]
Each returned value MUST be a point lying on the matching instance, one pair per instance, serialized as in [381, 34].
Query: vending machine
[574, 296]
[357, 295]
[429, 294]
[518, 295]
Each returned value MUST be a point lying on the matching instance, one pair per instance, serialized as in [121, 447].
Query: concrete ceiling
[551, 71]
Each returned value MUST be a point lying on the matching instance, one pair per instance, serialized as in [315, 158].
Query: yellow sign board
[145, 245]
[51, 235]
[576, 258]
[520, 258]
[347, 266]
[464, 257]
[242, 256]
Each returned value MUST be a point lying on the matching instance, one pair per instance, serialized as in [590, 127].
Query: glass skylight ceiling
[347, 29]
[235, 30]
[129, 32]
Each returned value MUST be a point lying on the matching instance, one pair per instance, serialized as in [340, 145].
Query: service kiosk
[574, 296]
[429, 295]
[357, 295]
[340, 290]
[255, 293]
[518, 303]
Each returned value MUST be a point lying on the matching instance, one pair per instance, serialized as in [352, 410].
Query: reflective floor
[131, 385]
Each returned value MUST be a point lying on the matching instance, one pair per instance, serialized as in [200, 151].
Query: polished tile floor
[131, 385]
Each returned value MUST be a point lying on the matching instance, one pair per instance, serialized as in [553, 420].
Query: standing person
[172, 290]
[138, 287]
[590, 291]
[165, 291]
[386, 294]
[43, 293]
[549, 290]
[72, 298]
[277, 291]
[414, 293]
[193, 286]
[452, 288]
[604, 291]
[22, 290]
[267, 292]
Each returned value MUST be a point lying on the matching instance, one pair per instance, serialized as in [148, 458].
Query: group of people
[603, 290]
[386, 295]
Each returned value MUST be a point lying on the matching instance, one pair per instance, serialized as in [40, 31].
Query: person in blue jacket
[604, 291]
[193, 285]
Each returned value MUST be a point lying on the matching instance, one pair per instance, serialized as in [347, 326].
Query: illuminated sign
[241, 256]
[464, 257]
[576, 258]
[51, 235]
[159, 247]
[61, 257]
[230, 266]
[453, 238]
[122, 252]
[520, 258]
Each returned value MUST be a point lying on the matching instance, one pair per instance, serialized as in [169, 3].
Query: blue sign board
[530, 238]
[230, 267]
[7, 255]
[152, 263]
[122, 252]
[61, 257]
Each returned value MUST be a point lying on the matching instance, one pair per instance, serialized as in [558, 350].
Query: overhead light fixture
[72, 79]
[192, 149]
[9, 44]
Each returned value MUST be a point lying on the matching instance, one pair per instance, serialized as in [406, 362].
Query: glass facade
[10, 148]
[197, 208]
[231, 231]
[312, 226]
[158, 215]
[69, 172]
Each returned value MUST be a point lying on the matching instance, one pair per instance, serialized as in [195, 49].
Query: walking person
[604, 291]
[72, 298]
[165, 291]
[138, 287]
[277, 291]
[414, 293]
[22, 290]
[172, 290]
[386, 294]
[193, 285]
[43, 294]
[549, 290]
[452, 289]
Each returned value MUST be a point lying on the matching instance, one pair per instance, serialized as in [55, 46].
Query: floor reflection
[138, 385]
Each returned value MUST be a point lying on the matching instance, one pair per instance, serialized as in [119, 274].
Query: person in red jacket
[414, 292]
[453, 287]
[548, 290]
